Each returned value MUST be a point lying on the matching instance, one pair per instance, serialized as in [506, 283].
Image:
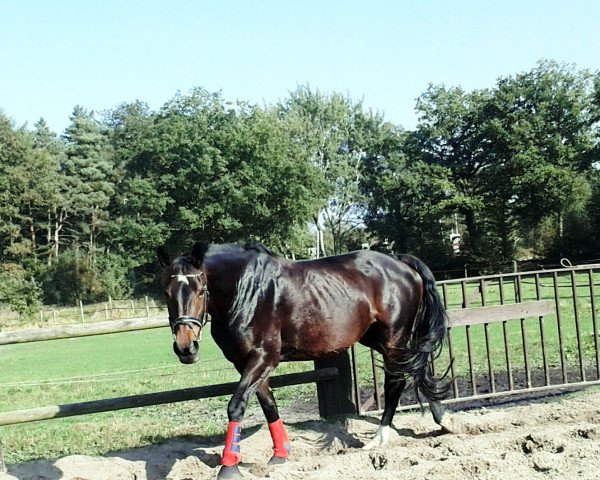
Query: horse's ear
[163, 257]
[198, 252]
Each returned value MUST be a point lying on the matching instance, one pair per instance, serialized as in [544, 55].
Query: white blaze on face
[183, 278]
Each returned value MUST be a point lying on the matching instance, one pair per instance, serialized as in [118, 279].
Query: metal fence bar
[583, 268]
[594, 321]
[452, 367]
[463, 288]
[356, 382]
[449, 340]
[509, 373]
[489, 396]
[519, 296]
[488, 350]
[559, 327]
[577, 326]
[470, 356]
[538, 296]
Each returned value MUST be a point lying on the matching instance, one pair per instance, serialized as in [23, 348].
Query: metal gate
[508, 334]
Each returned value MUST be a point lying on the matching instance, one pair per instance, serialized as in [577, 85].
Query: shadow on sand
[158, 461]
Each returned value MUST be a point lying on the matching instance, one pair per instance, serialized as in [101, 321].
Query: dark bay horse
[266, 309]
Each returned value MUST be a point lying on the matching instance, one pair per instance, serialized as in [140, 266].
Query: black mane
[185, 261]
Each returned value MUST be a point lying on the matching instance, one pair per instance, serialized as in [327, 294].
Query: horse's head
[186, 290]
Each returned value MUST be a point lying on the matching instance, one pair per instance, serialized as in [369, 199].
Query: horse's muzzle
[188, 354]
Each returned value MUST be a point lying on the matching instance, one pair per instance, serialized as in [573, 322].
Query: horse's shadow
[202, 448]
[35, 470]
[162, 456]
[338, 435]
[159, 459]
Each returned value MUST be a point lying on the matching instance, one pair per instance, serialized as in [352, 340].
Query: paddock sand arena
[557, 438]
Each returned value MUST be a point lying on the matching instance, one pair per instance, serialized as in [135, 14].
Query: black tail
[428, 334]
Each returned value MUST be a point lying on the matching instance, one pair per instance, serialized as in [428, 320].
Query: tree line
[513, 169]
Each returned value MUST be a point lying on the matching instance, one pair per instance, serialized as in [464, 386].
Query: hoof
[277, 461]
[453, 425]
[380, 439]
[228, 473]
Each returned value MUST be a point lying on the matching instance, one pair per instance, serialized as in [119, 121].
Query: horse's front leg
[258, 367]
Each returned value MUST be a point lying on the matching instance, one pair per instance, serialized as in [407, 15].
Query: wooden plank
[157, 398]
[79, 330]
[500, 313]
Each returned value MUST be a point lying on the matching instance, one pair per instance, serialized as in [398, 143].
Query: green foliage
[72, 278]
[517, 156]
[19, 291]
[336, 134]
[512, 168]
[88, 176]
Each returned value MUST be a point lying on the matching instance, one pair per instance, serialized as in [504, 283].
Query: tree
[451, 134]
[278, 188]
[15, 151]
[337, 135]
[543, 141]
[202, 167]
[518, 154]
[88, 174]
[138, 208]
[407, 200]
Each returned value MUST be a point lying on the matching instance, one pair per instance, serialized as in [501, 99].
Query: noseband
[188, 320]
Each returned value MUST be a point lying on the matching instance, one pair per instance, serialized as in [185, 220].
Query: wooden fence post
[147, 306]
[335, 396]
[81, 311]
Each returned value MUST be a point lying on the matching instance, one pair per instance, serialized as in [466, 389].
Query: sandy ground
[556, 439]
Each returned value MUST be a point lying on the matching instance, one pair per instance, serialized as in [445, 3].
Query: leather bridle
[189, 320]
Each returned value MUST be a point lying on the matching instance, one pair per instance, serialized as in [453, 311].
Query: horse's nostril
[186, 351]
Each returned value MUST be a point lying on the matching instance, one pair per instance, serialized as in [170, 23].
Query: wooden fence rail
[157, 398]
[81, 330]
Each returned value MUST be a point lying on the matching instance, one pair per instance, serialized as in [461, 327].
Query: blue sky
[57, 54]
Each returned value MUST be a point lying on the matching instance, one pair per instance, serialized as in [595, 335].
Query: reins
[189, 320]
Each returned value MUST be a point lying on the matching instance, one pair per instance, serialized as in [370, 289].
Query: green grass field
[81, 369]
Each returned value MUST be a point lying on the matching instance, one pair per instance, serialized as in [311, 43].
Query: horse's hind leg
[267, 402]
[281, 442]
[393, 387]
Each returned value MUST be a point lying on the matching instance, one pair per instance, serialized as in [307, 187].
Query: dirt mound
[557, 439]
